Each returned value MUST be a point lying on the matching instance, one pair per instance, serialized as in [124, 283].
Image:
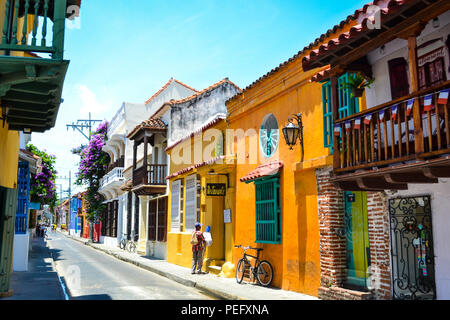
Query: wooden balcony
[150, 179]
[391, 145]
[31, 61]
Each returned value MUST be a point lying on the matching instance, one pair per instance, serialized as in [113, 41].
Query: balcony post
[411, 34]
[145, 161]
[335, 101]
[59, 21]
[418, 130]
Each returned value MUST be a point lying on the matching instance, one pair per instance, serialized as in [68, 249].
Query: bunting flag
[348, 126]
[337, 130]
[428, 104]
[367, 119]
[357, 124]
[394, 112]
[409, 107]
[381, 114]
[443, 96]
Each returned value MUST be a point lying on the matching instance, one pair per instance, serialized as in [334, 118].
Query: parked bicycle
[261, 270]
[129, 245]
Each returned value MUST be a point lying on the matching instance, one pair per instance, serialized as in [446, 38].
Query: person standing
[198, 246]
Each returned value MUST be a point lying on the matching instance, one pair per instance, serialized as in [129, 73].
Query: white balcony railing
[115, 175]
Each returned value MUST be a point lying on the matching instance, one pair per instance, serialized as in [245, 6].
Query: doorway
[413, 273]
[357, 239]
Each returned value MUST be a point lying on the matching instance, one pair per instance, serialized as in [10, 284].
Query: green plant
[356, 83]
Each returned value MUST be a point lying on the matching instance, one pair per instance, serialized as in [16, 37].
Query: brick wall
[379, 243]
[331, 219]
[333, 246]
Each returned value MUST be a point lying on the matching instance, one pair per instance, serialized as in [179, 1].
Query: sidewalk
[223, 288]
[41, 281]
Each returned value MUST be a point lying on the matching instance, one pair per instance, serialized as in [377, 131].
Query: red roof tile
[196, 166]
[166, 86]
[151, 124]
[387, 8]
[357, 15]
[201, 129]
[262, 171]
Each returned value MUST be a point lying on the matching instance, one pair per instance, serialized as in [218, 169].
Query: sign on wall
[227, 216]
[216, 189]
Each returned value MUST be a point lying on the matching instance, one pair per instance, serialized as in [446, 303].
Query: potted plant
[357, 83]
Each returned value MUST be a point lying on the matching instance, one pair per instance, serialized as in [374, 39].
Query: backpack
[194, 239]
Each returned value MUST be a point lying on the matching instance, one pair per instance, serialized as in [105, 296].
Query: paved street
[93, 275]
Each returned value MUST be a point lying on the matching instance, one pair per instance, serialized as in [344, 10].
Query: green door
[8, 207]
[357, 236]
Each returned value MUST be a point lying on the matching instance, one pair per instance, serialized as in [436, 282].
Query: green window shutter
[8, 208]
[268, 211]
[327, 115]
[347, 105]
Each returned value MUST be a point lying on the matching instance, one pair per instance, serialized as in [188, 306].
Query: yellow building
[276, 185]
[201, 182]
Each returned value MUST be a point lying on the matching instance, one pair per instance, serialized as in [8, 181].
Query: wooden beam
[436, 172]
[379, 183]
[410, 177]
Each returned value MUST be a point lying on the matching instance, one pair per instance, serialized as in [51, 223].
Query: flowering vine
[93, 166]
[43, 189]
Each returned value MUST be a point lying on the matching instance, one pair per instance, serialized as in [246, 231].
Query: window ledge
[314, 163]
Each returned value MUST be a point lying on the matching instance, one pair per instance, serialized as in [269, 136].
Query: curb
[178, 279]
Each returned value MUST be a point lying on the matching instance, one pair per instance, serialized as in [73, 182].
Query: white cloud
[90, 103]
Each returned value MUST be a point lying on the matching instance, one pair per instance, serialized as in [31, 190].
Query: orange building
[276, 190]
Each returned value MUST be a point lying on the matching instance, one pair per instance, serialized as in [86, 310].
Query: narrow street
[92, 275]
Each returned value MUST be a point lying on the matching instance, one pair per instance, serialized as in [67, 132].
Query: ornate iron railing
[21, 27]
[394, 132]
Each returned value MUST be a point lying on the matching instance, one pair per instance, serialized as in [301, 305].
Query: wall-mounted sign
[351, 197]
[216, 189]
[227, 216]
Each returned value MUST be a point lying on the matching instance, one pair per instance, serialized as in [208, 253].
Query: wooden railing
[154, 174]
[20, 16]
[119, 163]
[394, 132]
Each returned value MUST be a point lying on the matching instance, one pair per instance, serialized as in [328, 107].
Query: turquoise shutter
[8, 209]
[347, 105]
[327, 115]
[267, 200]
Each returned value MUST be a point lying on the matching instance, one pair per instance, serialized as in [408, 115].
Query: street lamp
[293, 132]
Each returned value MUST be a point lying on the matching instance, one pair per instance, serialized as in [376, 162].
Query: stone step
[214, 269]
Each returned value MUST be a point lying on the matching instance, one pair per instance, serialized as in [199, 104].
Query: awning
[265, 170]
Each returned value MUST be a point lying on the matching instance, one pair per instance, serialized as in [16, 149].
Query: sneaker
[193, 272]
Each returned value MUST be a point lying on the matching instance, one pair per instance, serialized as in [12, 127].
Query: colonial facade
[123, 217]
[383, 217]
[196, 162]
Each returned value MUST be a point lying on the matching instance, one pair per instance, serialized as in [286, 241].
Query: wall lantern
[4, 115]
[293, 132]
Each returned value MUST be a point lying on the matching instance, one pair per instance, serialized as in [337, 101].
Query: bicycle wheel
[264, 273]
[240, 271]
[122, 244]
[131, 247]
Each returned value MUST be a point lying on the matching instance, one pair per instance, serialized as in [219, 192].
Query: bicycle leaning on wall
[261, 270]
[129, 245]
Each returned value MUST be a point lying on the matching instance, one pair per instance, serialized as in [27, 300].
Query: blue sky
[125, 50]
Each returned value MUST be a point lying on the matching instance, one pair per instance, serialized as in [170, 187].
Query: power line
[83, 124]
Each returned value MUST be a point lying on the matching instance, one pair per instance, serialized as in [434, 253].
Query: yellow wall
[287, 91]
[296, 260]
[179, 249]
[9, 156]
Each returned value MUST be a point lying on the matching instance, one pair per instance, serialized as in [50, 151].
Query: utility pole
[80, 126]
[83, 124]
